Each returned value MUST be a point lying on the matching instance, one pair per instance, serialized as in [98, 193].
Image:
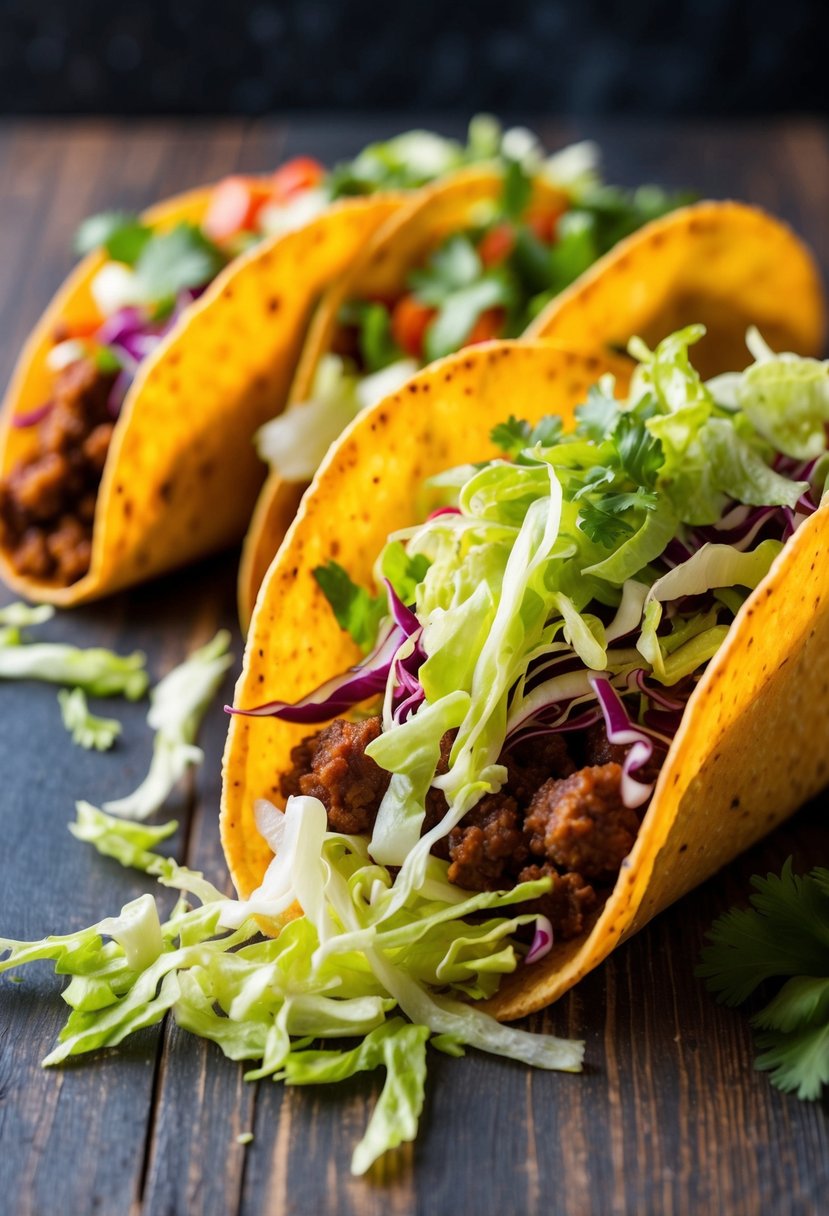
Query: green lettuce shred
[86, 729]
[177, 705]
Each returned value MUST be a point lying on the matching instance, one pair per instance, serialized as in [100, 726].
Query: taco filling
[487, 281]
[47, 500]
[540, 629]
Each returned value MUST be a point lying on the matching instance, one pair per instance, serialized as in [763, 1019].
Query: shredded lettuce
[22, 616]
[264, 1000]
[294, 443]
[786, 398]
[99, 672]
[86, 729]
[177, 705]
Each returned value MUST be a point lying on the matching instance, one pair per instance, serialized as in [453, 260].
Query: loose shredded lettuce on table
[177, 705]
[86, 729]
[267, 1000]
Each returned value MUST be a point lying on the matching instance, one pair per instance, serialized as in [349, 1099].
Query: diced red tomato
[488, 325]
[409, 321]
[234, 207]
[301, 173]
[497, 245]
[64, 330]
[544, 224]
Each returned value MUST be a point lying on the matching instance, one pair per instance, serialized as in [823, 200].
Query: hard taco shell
[725, 264]
[182, 475]
[754, 741]
[451, 205]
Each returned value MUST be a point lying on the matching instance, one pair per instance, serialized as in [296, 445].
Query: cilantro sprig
[783, 935]
[614, 475]
[359, 612]
[164, 263]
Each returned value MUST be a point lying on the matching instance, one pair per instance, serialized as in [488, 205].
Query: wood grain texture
[669, 1116]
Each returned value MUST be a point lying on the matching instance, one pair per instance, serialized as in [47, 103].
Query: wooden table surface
[668, 1116]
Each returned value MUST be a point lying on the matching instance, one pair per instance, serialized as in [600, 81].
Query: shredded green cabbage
[264, 1000]
[177, 705]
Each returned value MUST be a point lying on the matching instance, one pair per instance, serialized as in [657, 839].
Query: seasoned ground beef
[568, 904]
[47, 502]
[581, 824]
[531, 763]
[333, 766]
[488, 845]
[573, 822]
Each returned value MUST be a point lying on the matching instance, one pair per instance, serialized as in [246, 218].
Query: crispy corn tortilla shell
[182, 474]
[725, 264]
[451, 205]
[754, 741]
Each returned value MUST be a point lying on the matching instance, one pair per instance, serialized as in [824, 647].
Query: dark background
[579, 57]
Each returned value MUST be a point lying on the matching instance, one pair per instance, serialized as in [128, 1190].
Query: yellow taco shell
[182, 476]
[417, 228]
[753, 744]
[725, 264]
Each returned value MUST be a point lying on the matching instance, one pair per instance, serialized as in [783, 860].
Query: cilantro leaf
[798, 1061]
[121, 234]
[511, 436]
[516, 434]
[175, 260]
[404, 572]
[603, 527]
[640, 453]
[599, 414]
[358, 612]
[454, 265]
[459, 312]
[785, 933]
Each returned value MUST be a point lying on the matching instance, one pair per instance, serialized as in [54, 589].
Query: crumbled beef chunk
[333, 766]
[567, 905]
[96, 446]
[531, 763]
[580, 823]
[487, 845]
[47, 501]
[32, 557]
[69, 547]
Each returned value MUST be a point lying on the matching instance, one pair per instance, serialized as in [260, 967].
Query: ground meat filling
[47, 501]
[581, 824]
[333, 766]
[550, 818]
[487, 844]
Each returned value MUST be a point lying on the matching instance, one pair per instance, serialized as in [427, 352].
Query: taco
[478, 256]
[125, 447]
[574, 654]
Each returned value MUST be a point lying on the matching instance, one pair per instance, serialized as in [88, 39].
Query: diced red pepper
[497, 245]
[409, 321]
[488, 325]
[234, 206]
[301, 173]
[545, 223]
